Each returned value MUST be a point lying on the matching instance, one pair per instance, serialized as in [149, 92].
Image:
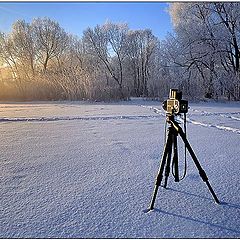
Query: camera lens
[164, 105]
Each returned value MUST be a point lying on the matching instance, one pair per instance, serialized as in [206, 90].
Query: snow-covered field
[82, 170]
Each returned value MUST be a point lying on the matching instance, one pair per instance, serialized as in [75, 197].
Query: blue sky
[75, 17]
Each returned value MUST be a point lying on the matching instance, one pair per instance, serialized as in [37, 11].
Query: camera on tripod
[175, 104]
[169, 161]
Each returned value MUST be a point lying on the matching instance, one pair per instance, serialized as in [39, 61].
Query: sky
[75, 17]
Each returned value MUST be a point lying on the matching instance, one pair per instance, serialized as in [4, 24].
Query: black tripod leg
[168, 165]
[175, 158]
[190, 150]
[159, 177]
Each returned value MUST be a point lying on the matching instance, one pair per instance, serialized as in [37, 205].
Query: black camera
[175, 104]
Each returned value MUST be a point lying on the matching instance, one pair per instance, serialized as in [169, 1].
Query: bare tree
[24, 46]
[140, 48]
[51, 40]
[107, 43]
[8, 57]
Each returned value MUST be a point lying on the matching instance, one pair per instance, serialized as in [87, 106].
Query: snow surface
[87, 170]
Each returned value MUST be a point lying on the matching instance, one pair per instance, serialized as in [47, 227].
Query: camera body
[175, 105]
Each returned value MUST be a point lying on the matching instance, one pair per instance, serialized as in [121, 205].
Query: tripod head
[170, 118]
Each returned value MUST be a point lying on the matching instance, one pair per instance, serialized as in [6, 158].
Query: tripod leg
[168, 165]
[159, 177]
[175, 158]
[200, 169]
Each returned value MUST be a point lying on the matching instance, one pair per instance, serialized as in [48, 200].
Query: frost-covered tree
[51, 40]
[207, 36]
[141, 45]
[107, 44]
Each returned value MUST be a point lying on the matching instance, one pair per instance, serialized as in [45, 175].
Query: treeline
[41, 61]
[108, 62]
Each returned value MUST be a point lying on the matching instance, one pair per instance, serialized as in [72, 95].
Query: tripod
[171, 143]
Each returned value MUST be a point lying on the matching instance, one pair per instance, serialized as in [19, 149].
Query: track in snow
[51, 119]
[204, 113]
